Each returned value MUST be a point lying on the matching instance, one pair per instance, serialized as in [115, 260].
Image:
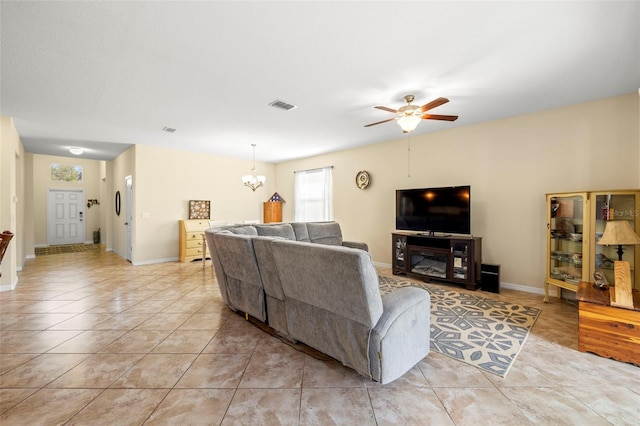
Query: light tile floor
[87, 338]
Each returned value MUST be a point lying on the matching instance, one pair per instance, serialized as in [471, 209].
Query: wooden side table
[607, 330]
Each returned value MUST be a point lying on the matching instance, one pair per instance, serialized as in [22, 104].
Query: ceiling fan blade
[384, 108]
[379, 122]
[434, 103]
[440, 117]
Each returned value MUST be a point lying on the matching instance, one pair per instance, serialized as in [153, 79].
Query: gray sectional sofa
[307, 283]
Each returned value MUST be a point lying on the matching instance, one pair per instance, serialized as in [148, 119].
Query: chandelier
[253, 181]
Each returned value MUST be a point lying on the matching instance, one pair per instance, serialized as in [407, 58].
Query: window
[313, 195]
[64, 173]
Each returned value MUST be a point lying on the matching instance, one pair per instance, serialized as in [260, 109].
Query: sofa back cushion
[243, 230]
[244, 284]
[332, 300]
[336, 279]
[300, 230]
[217, 266]
[267, 266]
[325, 233]
[284, 230]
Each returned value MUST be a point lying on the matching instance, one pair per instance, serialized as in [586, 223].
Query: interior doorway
[65, 216]
[128, 208]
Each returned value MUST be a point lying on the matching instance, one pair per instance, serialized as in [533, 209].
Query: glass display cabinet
[615, 205]
[575, 223]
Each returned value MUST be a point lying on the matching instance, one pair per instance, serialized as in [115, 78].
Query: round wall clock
[363, 179]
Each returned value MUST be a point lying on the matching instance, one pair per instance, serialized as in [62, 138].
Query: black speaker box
[490, 277]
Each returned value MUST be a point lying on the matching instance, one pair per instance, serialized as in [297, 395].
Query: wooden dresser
[607, 330]
[192, 243]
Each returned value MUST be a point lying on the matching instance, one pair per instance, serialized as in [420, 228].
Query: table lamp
[620, 233]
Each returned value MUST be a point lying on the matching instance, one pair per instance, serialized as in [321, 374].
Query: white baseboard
[527, 289]
[30, 256]
[151, 262]
[9, 287]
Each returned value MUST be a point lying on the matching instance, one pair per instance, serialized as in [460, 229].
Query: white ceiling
[104, 75]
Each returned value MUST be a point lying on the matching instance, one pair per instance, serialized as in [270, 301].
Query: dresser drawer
[193, 236]
[194, 243]
[194, 251]
[196, 225]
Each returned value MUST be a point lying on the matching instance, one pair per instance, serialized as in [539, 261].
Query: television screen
[433, 210]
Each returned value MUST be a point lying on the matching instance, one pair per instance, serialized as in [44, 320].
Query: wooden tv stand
[454, 259]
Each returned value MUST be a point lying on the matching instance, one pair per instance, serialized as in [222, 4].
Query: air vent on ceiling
[282, 105]
[168, 129]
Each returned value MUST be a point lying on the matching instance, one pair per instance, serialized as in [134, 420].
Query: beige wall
[167, 179]
[510, 165]
[42, 183]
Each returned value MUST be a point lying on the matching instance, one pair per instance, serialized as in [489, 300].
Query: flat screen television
[432, 210]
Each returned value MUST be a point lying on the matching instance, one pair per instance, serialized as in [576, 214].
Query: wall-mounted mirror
[118, 203]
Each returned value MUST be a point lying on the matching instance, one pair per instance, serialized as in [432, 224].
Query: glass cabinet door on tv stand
[566, 248]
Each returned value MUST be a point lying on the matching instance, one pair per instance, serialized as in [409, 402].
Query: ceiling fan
[410, 115]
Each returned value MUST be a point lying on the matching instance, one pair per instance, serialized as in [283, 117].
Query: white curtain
[313, 195]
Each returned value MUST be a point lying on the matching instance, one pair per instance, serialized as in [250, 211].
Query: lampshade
[619, 232]
[253, 181]
[409, 122]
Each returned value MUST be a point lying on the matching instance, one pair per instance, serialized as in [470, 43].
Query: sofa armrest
[354, 244]
[401, 338]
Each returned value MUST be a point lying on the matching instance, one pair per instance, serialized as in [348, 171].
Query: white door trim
[128, 208]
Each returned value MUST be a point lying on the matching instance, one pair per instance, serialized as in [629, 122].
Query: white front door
[65, 216]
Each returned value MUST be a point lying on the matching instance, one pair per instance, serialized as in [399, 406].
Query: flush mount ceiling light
[76, 151]
[253, 181]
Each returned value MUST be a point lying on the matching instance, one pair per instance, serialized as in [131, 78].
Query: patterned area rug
[485, 333]
[67, 248]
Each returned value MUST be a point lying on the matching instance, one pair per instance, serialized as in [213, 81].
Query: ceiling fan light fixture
[408, 122]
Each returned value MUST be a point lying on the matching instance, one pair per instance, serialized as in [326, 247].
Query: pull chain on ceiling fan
[410, 115]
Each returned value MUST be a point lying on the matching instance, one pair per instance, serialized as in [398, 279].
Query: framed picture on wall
[199, 209]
